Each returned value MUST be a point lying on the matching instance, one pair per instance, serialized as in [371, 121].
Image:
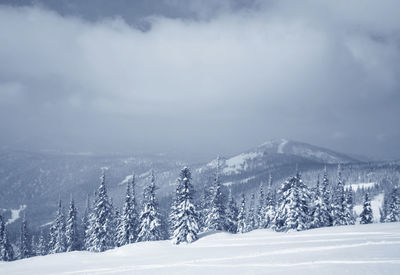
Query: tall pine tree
[183, 215]
[150, 228]
[241, 226]
[101, 228]
[71, 234]
[231, 214]
[24, 245]
[216, 219]
[293, 208]
[366, 215]
[339, 201]
[6, 250]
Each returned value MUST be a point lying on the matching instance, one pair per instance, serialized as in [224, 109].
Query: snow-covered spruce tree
[326, 209]
[261, 209]
[71, 233]
[87, 221]
[150, 228]
[6, 250]
[183, 217]
[316, 208]
[293, 208]
[251, 215]
[366, 215]
[241, 226]
[270, 203]
[349, 206]
[216, 217]
[393, 209]
[24, 245]
[231, 214]
[58, 232]
[42, 248]
[101, 227]
[339, 202]
[204, 209]
[129, 220]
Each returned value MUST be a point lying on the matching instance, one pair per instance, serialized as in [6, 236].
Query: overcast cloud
[201, 79]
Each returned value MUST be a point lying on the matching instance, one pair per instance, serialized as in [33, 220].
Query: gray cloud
[220, 81]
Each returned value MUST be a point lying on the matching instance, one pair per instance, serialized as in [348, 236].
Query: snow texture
[358, 249]
[364, 185]
[238, 163]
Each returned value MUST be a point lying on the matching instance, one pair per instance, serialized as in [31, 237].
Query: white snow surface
[356, 250]
[126, 180]
[238, 163]
[15, 214]
[376, 204]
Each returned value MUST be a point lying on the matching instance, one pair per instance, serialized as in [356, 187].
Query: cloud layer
[324, 72]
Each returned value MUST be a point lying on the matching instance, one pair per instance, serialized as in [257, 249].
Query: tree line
[294, 206]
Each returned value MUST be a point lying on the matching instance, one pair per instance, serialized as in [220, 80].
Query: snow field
[359, 249]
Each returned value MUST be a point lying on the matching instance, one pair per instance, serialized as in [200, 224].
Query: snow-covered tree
[339, 202]
[150, 228]
[261, 209]
[349, 205]
[270, 203]
[71, 233]
[251, 222]
[241, 226]
[326, 209]
[366, 215]
[24, 245]
[129, 219]
[317, 206]
[183, 217]
[57, 231]
[393, 208]
[231, 214]
[42, 248]
[87, 220]
[6, 250]
[216, 217]
[293, 208]
[101, 226]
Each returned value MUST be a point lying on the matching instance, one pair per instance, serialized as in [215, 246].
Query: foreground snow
[359, 249]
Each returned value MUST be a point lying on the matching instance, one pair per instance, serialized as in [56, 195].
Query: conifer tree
[216, 219]
[251, 217]
[366, 215]
[87, 220]
[241, 227]
[204, 207]
[42, 248]
[24, 246]
[339, 202]
[150, 228]
[393, 209]
[270, 203]
[129, 220]
[101, 228]
[183, 216]
[6, 250]
[72, 234]
[261, 209]
[326, 209]
[316, 220]
[293, 209]
[231, 214]
[58, 231]
[349, 204]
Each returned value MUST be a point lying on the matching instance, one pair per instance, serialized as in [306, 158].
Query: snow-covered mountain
[357, 250]
[278, 157]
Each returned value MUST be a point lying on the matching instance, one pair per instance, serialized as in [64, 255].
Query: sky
[199, 78]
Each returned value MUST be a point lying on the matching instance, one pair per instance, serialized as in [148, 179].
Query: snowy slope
[359, 249]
